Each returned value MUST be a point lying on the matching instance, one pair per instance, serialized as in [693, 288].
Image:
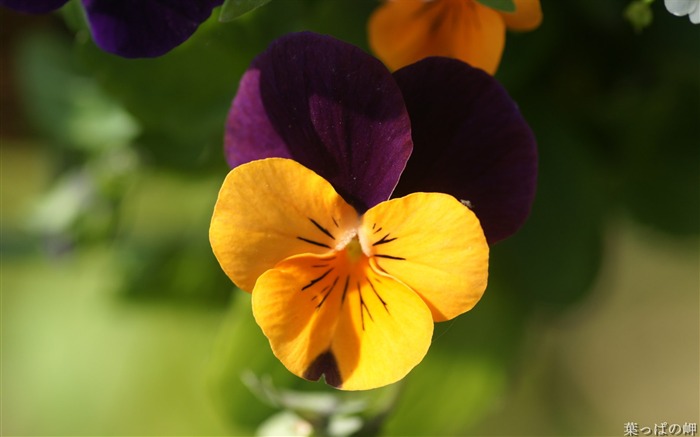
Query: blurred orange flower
[402, 32]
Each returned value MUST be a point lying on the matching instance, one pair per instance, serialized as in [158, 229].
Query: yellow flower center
[354, 250]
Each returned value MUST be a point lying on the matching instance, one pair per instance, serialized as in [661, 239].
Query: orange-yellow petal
[271, 209]
[402, 32]
[480, 37]
[333, 316]
[434, 245]
[527, 15]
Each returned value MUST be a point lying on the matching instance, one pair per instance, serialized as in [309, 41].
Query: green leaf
[233, 9]
[465, 372]
[554, 259]
[639, 14]
[74, 17]
[66, 106]
[499, 5]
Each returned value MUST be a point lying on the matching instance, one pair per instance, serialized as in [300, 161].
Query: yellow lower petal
[271, 209]
[337, 318]
[434, 245]
[527, 15]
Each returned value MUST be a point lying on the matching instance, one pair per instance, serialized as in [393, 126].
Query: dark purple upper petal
[471, 141]
[327, 105]
[33, 6]
[145, 28]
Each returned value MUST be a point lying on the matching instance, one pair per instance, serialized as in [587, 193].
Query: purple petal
[145, 28]
[33, 6]
[471, 141]
[329, 106]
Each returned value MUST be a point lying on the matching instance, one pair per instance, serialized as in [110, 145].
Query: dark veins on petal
[363, 308]
[315, 280]
[325, 232]
[327, 290]
[145, 28]
[376, 293]
[384, 240]
[329, 106]
[321, 228]
[470, 141]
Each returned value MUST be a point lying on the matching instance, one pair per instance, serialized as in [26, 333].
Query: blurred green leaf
[89, 133]
[466, 371]
[554, 259]
[58, 210]
[77, 361]
[233, 9]
[241, 347]
[325, 413]
[285, 423]
[499, 5]
[306, 403]
[639, 14]
[342, 19]
[67, 106]
[74, 16]
[163, 249]
[652, 120]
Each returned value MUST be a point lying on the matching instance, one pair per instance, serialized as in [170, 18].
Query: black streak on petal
[330, 290]
[363, 307]
[345, 289]
[321, 228]
[324, 365]
[377, 294]
[385, 239]
[313, 281]
[397, 258]
[315, 243]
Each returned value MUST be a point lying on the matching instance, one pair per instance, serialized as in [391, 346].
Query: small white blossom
[691, 8]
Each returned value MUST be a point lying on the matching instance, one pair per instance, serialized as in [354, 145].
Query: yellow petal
[402, 32]
[527, 15]
[271, 209]
[434, 245]
[333, 316]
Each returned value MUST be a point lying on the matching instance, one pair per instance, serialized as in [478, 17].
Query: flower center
[354, 249]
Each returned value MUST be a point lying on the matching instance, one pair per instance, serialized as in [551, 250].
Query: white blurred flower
[691, 8]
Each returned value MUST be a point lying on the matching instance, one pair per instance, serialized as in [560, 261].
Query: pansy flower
[347, 281]
[402, 32]
[133, 28]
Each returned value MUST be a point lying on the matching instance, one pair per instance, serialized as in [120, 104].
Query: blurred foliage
[132, 150]
[233, 9]
[639, 14]
[499, 5]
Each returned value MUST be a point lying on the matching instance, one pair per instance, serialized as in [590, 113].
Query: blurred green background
[116, 319]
